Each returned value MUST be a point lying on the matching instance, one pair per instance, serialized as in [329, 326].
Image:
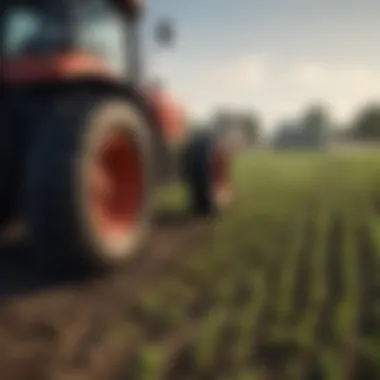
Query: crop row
[288, 288]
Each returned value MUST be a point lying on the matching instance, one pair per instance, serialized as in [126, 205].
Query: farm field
[287, 286]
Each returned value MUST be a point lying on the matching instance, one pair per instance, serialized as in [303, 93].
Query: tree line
[365, 125]
[316, 122]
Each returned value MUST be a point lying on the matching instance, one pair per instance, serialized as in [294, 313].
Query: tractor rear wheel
[207, 172]
[88, 185]
[6, 184]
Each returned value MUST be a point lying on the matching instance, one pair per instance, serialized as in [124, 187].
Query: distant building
[292, 135]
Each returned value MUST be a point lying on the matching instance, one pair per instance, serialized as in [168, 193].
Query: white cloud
[344, 86]
[310, 74]
[276, 88]
[343, 76]
[249, 70]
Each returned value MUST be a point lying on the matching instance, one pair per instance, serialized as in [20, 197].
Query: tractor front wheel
[207, 164]
[88, 185]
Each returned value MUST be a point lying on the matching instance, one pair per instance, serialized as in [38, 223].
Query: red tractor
[83, 144]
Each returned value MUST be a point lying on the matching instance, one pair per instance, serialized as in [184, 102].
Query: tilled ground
[53, 330]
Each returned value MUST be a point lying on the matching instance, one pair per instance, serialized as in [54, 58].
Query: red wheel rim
[116, 186]
[221, 184]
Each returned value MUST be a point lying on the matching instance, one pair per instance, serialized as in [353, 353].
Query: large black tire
[5, 169]
[13, 139]
[199, 161]
[66, 218]
[18, 115]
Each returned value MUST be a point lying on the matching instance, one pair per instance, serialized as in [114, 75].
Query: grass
[289, 286]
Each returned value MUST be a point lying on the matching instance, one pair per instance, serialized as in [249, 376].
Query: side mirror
[164, 33]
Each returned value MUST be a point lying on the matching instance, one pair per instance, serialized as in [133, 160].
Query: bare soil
[70, 328]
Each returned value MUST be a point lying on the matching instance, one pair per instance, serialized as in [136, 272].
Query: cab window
[101, 30]
[30, 29]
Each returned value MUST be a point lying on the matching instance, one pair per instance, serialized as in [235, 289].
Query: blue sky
[273, 56]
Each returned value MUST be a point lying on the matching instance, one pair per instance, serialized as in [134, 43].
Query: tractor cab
[42, 39]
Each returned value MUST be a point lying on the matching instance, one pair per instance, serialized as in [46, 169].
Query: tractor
[84, 142]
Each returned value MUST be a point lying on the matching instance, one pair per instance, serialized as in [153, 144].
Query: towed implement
[84, 143]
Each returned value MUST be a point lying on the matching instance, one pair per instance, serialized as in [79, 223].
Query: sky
[272, 57]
